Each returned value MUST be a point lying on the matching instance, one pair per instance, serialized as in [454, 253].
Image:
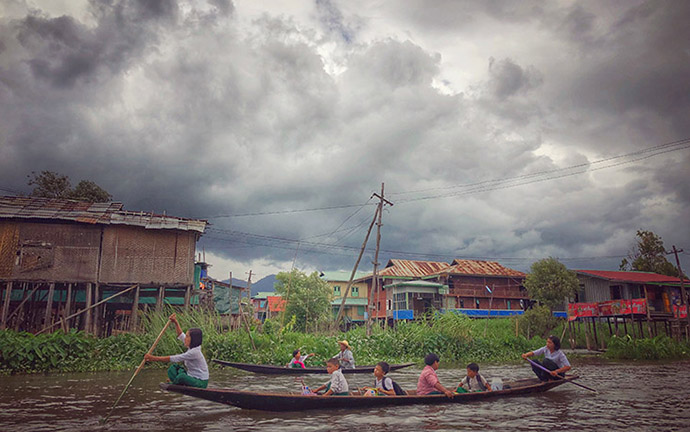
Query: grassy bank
[455, 338]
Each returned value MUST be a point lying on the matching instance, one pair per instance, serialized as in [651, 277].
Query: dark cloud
[193, 109]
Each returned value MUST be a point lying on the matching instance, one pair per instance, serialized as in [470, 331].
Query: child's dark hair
[295, 352]
[196, 337]
[334, 361]
[473, 367]
[556, 342]
[431, 358]
[384, 367]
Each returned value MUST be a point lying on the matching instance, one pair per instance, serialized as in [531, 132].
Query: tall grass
[456, 338]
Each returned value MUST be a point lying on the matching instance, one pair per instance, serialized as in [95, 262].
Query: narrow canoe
[282, 370]
[297, 402]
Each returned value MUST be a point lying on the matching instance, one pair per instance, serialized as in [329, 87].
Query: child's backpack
[398, 390]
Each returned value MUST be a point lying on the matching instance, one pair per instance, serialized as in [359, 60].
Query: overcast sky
[503, 130]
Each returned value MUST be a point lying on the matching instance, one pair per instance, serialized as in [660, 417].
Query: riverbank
[457, 339]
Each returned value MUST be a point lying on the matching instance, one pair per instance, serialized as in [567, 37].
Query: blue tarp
[403, 314]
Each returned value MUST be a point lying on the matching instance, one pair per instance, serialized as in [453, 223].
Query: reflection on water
[631, 397]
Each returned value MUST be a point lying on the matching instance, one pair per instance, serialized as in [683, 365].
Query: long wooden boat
[297, 402]
[282, 370]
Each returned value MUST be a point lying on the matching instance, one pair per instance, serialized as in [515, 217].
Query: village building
[267, 304]
[61, 256]
[482, 288]
[355, 304]
[471, 287]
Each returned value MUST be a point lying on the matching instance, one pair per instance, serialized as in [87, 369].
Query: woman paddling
[195, 372]
[554, 360]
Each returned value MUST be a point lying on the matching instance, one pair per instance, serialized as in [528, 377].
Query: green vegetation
[456, 338]
[648, 255]
[49, 184]
[550, 282]
[308, 298]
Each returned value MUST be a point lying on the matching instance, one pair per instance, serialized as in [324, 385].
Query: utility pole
[242, 317]
[375, 281]
[354, 270]
[684, 299]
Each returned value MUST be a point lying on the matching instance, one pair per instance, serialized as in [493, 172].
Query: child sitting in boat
[337, 385]
[298, 359]
[428, 382]
[473, 382]
[195, 370]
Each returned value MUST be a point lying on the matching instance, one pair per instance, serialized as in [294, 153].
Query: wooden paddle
[141, 366]
[559, 377]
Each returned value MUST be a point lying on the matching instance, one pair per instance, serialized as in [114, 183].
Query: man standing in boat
[347, 360]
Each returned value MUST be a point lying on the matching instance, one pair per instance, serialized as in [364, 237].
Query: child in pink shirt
[428, 382]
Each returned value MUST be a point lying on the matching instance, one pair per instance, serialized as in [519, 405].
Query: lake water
[631, 397]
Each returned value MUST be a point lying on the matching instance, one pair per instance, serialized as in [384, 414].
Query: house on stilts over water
[58, 257]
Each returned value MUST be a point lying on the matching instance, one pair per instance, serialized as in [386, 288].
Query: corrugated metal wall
[138, 255]
[596, 290]
[49, 251]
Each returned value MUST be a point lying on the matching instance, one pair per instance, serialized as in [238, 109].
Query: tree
[89, 191]
[49, 184]
[550, 282]
[308, 297]
[648, 255]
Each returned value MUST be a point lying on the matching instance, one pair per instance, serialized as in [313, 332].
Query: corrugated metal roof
[416, 283]
[410, 268]
[481, 268]
[341, 276]
[633, 277]
[91, 213]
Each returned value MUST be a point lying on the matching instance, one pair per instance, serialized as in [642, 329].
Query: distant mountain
[265, 284]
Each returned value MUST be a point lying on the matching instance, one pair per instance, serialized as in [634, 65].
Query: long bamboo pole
[141, 366]
[560, 377]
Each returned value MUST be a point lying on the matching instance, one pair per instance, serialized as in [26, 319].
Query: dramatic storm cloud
[502, 130]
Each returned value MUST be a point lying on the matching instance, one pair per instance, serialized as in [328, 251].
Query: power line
[501, 183]
[319, 247]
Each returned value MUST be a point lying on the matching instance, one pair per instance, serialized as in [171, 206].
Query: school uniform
[338, 384]
[472, 384]
[195, 370]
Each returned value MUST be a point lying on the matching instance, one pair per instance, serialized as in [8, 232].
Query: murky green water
[632, 397]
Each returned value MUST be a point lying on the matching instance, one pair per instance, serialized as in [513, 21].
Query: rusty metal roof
[410, 268]
[480, 268]
[629, 276]
[91, 213]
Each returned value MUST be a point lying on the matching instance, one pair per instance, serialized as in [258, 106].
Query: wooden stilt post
[646, 300]
[159, 301]
[68, 305]
[589, 345]
[6, 304]
[608, 321]
[188, 296]
[135, 311]
[594, 332]
[47, 319]
[88, 328]
[97, 313]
